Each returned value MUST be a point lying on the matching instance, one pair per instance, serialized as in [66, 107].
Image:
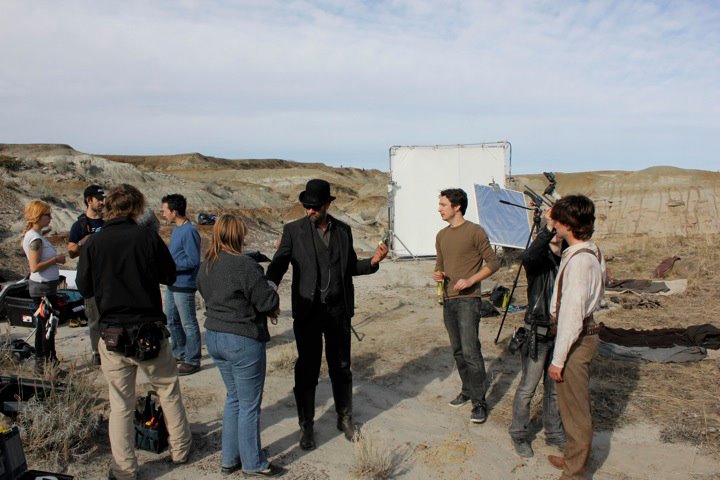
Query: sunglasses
[307, 206]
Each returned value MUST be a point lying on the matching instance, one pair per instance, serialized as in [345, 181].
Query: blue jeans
[462, 321]
[532, 372]
[183, 325]
[241, 361]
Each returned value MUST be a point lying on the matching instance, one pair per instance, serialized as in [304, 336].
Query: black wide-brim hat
[317, 192]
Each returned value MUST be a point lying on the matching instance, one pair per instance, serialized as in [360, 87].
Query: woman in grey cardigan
[238, 301]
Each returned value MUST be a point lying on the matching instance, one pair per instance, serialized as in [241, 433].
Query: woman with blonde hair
[238, 300]
[43, 261]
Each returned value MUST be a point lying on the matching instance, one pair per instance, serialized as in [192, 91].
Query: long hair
[34, 212]
[228, 236]
[124, 200]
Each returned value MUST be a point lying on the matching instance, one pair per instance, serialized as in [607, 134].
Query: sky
[572, 85]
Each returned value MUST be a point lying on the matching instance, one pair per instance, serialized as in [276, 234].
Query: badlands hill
[657, 202]
[264, 192]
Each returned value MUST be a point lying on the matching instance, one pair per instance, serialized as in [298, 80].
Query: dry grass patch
[62, 426]
[372, 457]
[282, 358]
[683, 398]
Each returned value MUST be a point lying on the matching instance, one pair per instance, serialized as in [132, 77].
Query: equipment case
[13, 465]
[19, 307]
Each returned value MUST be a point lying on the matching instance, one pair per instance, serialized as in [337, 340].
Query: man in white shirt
[577, 294]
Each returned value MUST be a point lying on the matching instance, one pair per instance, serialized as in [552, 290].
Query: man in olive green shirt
[464, 259]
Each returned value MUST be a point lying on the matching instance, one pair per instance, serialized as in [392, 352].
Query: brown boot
[557, 462]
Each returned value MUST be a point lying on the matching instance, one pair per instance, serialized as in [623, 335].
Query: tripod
[537, 218]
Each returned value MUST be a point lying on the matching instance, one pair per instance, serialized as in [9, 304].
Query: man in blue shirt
[180, 296]
[88, 223]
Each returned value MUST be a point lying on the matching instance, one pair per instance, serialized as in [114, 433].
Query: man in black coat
[320, 249]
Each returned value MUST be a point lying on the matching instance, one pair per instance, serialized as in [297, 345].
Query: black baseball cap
[94, 191]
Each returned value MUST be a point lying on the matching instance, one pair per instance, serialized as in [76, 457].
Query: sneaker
[556, 442]
[230, 470]
[74, 323]
[523, 448]
[479, 413]
[272, 471]
[187, 369]
[459, 401]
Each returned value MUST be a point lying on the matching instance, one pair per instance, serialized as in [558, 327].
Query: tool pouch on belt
[140, 341]
[151, 433]
[116, 339]
[148, 340]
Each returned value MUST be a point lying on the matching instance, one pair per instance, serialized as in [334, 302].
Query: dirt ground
[651, 421]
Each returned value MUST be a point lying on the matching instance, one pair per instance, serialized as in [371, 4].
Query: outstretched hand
[380, 252]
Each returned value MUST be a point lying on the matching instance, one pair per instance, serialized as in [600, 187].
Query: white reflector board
[418, 175]
[505, 225]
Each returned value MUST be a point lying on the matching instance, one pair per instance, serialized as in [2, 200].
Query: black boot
[342, 394]
[305, 401]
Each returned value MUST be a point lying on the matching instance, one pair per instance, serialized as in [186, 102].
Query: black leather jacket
[541, 267]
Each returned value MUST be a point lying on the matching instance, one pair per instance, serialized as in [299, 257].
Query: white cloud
[576, 84]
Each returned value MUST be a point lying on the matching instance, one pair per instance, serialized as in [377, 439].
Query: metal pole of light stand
[537, 216]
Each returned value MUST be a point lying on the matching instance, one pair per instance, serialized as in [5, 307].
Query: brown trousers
[574, 401]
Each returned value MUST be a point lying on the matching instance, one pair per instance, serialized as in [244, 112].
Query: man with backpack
[88, 223]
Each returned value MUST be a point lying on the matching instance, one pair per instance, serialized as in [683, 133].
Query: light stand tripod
[537, 218]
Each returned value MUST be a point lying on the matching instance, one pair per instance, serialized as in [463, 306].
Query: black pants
[44, 347]
[309, 335]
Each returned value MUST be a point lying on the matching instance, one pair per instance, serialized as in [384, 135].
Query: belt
[592, 329]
